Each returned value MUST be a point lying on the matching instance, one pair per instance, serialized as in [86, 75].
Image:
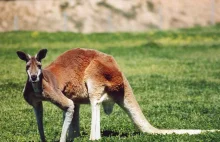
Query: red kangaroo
[82, 76]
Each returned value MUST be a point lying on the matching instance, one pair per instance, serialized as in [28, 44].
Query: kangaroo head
[33, 64]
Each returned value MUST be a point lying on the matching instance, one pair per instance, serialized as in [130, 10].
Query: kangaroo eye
[39, 66]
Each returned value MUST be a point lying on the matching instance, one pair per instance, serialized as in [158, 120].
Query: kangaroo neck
[37, 87]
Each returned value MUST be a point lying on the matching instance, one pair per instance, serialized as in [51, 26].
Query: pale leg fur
[95, 104]
[95, 93]
[68, 118]
[74, 130]
[95, 133]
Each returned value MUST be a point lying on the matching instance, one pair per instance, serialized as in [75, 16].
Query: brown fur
[79, 65]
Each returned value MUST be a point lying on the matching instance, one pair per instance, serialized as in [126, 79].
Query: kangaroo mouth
[35, 81]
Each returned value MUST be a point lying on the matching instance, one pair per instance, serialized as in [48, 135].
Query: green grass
[175, 76]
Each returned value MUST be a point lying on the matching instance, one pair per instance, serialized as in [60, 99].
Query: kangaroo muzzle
[35, 77]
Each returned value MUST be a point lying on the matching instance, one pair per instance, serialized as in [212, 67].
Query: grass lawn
[175, 76]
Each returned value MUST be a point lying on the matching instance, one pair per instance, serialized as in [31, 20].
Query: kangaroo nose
[33, 77]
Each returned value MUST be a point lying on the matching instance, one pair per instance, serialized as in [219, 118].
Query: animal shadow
[109, 133]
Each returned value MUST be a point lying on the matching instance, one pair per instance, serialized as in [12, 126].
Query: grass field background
[175, 76]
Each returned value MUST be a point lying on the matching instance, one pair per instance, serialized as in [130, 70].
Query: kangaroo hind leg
[96, 91]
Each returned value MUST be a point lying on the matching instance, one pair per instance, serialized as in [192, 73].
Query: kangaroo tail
[129, 104]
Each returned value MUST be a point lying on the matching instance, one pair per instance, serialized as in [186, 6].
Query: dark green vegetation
[175, 76]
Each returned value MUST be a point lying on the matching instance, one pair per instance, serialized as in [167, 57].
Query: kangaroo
[83, 76]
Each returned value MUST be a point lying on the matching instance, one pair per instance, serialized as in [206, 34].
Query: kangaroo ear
[41, 54]
[23, 56]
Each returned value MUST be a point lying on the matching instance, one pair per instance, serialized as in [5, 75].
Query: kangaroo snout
[33, 77]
